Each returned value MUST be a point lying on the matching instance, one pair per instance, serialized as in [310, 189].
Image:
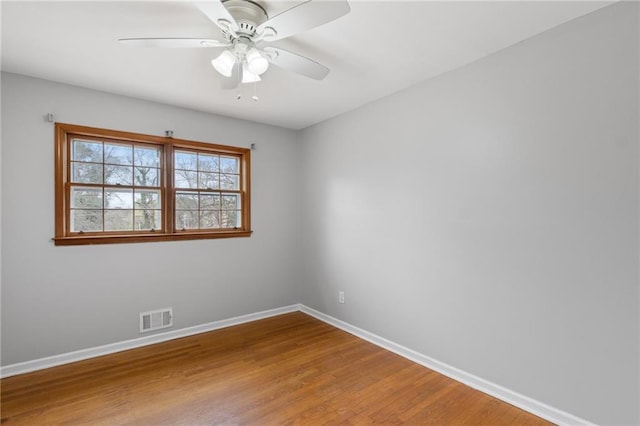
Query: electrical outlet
[341, 297]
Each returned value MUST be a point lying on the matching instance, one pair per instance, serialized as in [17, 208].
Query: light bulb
[257, 63]
[224, 63]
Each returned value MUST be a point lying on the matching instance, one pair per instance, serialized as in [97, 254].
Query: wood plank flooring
[289, 369]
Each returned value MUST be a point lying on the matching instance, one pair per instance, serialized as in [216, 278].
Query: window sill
[141, 238]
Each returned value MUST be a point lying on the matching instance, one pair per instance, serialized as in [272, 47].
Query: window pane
[208, 163]
[209, 219]
[84, 198]
[118, 154]
[209, 180]
[186, 179]
[229, 219]
[209, 202]
[147, 199]
[230, 202]
[86, 151]
[86, 173]
[149, 157]
[145, 176]
[118, 220]
[86, 220]
[186, 201]
[186, 160]
[229, 165]
[229, 182]
[148, 219]
[118, 199]
[187, 219]
[118, 175]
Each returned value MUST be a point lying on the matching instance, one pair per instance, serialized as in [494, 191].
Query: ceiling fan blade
[296, 63]
[218, 14]
[172, 42]
[230, 83]
[305, 16]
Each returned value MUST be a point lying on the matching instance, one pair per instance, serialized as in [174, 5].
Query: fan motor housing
[248, 14]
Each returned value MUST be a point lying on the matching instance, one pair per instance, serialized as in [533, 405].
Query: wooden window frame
[64, 133]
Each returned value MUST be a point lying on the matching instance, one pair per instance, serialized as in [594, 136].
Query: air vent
[155, 320]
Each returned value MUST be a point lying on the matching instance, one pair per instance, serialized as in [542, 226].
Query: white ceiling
[377, 49]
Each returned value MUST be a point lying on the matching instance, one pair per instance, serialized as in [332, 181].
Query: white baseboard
[538, 408]
[52, 361]
[514, 398]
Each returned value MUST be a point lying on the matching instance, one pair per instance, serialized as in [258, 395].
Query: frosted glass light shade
[248, 76]
[257, 63]
[224, 63]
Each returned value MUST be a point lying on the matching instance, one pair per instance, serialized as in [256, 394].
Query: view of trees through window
[114, 186]
[207, 190]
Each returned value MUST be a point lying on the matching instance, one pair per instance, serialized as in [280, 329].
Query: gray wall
[488, 218]
[59, 299]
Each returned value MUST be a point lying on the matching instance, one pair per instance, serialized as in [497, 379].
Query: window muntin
[122, 187]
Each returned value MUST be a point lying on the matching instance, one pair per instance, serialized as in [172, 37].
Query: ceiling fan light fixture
[224, 63]
[245, 24]
[256, 63]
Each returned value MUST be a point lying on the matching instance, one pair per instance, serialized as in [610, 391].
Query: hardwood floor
[289, 369]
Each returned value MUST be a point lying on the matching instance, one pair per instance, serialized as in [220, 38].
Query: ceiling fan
[247, 30]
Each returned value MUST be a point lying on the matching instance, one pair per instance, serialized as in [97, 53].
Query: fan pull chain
[238, 95]
[255, 91]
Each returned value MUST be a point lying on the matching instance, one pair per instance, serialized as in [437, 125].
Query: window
[207, 190]
[116, 186]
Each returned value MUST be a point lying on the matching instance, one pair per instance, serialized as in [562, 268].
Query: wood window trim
[63, 133]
